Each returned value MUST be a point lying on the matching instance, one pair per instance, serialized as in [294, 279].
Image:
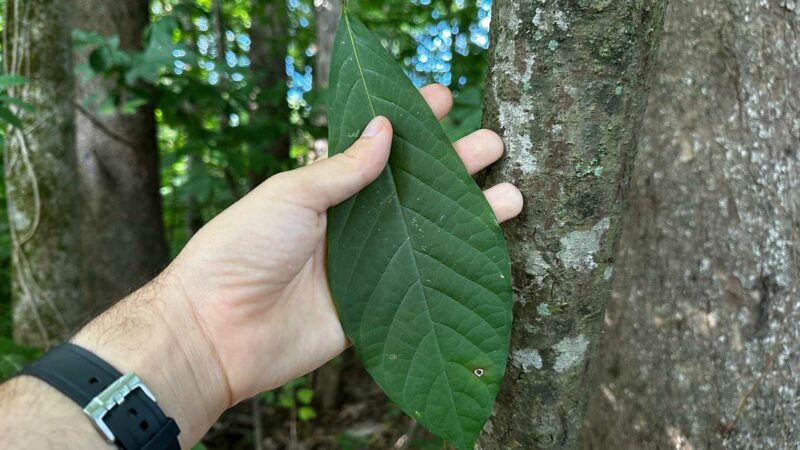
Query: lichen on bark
[566, 87]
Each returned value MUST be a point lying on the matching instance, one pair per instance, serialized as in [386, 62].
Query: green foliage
[465, 117]
[133, 73]
[214, 118]
[397, 22]
[7, 116]
[294, 396]
[350, 442]
[199, 446]
[417, 262]
[13, 357]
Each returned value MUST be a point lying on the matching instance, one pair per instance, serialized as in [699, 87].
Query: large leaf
[417, 263]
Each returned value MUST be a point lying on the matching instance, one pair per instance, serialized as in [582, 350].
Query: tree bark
[123, 233]
[41, 167]
[566, 87]
[327, 379]
[703, 330]
[326, 20]
[269, 36]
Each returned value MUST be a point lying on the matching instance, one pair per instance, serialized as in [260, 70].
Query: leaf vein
[358, 63]
[450, 233]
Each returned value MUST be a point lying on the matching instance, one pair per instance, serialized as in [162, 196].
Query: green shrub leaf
[417, 263]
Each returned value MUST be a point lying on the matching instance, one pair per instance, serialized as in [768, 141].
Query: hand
[256, 274]
[245, 307]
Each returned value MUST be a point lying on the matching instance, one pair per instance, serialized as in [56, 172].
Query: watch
[119, 405]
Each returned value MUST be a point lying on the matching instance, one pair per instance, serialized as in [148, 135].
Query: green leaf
[305, 395]
[286, 399]
[100, 59]
[130, 106]
[465, 116]
[13, 357]
[19, 103]
[306, 413]
[11, 80]
[417, 262]
[7, 116]
[8, 346]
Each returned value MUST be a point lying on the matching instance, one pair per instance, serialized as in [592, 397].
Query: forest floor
[364, 420]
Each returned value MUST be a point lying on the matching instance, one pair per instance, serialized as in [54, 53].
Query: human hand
[246, 307]
[256, 274]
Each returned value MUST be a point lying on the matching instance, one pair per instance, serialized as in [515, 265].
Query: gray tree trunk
[41, 168]
[327, 379]
[270, 36]
[326, 20]
[566, 87]
[703, 333]
[123, 233]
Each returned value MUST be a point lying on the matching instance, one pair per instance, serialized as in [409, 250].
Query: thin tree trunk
[327, 379]
[703, 334]
[326, 19]
[123, 233]
[41, 168]
[269, 36]
[566, 87]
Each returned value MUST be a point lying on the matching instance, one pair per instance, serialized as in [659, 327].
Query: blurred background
[178, 108]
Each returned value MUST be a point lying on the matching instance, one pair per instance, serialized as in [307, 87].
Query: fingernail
[374, 127]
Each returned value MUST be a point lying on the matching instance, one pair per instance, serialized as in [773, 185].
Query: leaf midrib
[358, 63]
[399, 207]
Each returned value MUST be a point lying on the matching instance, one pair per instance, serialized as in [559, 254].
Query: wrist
[154, 333]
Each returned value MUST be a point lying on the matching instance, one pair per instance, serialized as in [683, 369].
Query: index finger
[439, 98]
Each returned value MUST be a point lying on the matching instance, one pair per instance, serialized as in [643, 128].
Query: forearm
[151, 333]
[36, 416]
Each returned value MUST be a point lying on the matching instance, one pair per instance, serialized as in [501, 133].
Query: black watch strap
[120, 406]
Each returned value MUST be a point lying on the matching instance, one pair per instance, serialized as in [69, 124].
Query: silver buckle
[112, 396]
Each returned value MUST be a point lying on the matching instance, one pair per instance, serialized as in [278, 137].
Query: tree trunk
[327, 379]
[123, 233]
[566, 87]
[704, 328]
[269, 36]
[326, 20]
[41, 168]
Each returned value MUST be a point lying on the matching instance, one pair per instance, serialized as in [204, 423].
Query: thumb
[335, 179]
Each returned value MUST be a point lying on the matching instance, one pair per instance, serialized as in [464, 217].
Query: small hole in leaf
[133, 412]
[93, 380]
[478, 372]
[143, 425]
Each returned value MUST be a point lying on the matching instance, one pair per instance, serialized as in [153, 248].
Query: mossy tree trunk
[41, 169]
[703, 334]
[123, 240]
[566, 88]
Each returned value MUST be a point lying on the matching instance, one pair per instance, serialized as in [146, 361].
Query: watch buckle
[113, 395]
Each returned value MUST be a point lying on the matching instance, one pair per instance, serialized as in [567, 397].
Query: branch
[99, 124]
